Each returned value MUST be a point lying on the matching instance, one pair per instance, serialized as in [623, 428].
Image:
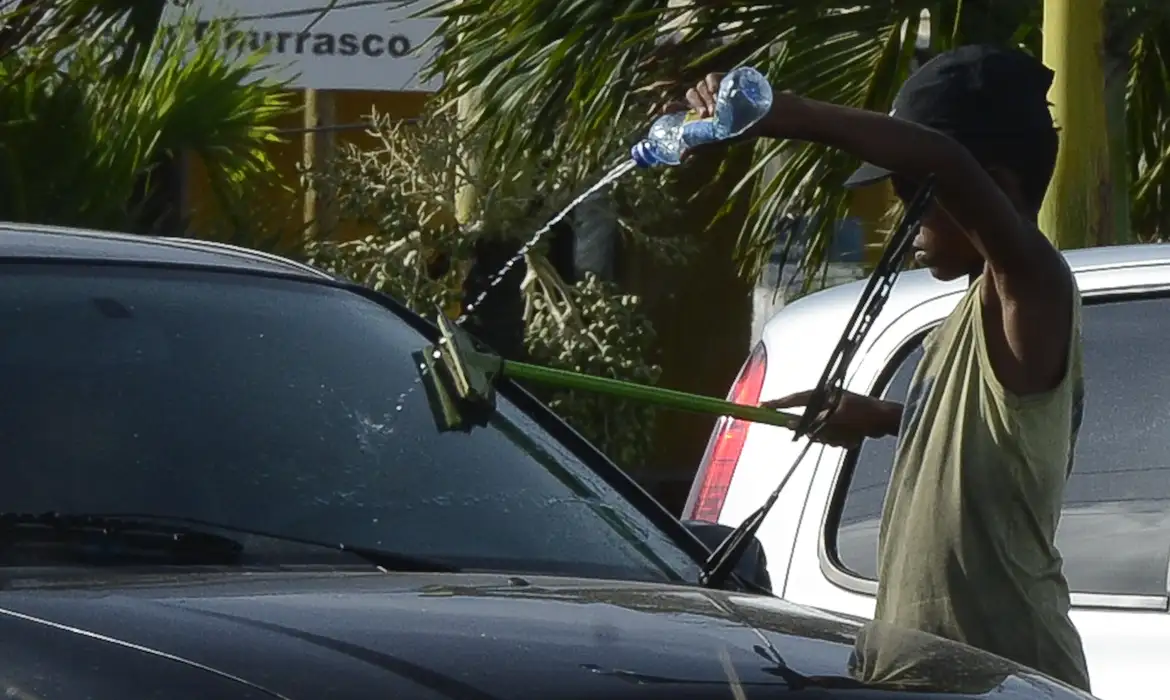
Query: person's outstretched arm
[1031, 282]
[857, 417]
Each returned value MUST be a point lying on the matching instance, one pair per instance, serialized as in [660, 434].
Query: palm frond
[556, 76]
[854, 58]
[82, 126]
[1148, 117]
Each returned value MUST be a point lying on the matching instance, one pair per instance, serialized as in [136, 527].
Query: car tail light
[709, 489]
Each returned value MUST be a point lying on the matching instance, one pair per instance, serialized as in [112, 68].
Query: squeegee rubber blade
[451, 349]
[440, 397]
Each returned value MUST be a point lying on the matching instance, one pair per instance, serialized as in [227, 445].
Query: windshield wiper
[177, 537]
[827, 395]
[110, 539]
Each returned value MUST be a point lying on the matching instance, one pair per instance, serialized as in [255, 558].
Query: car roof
[819, 318]
[33, 242]
[916, 286]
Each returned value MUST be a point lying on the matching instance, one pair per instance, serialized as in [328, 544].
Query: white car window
[1115, 529]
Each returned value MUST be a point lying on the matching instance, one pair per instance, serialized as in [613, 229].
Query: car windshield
[288, 407]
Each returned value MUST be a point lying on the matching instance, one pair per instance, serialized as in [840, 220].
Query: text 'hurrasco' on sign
[355, 45]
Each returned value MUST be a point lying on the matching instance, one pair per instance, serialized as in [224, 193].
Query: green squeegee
[460, 377]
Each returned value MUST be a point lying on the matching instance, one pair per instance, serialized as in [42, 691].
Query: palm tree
[94, 100]
[556, 74]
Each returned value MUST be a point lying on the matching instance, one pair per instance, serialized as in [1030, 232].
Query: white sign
[356, 45]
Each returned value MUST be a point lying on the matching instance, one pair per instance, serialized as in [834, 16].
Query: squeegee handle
[667, 398]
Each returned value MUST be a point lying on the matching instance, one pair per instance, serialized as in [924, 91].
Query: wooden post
[319, 145]
[467, 110]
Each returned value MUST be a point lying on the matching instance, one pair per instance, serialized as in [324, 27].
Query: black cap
[972, 92]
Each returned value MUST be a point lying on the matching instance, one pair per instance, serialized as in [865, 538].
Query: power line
[322, 10]
[319, 17]
[353, 126]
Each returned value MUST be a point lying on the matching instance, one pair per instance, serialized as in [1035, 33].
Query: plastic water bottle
[744, 98]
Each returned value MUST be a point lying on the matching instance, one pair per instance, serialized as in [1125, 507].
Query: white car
[820, 538]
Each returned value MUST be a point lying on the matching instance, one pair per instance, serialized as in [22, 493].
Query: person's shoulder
[1064, 272]
[1049, 277]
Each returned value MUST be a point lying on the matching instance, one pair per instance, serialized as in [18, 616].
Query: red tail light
[718, 466]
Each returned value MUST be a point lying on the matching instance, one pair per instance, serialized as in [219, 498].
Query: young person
[986, 437]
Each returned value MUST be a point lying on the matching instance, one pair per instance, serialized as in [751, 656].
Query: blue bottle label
[696, 132]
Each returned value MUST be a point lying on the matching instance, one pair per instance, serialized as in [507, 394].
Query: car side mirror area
[752, 566]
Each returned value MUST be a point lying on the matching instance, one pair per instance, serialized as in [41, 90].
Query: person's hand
[700, 100]
[856, 418]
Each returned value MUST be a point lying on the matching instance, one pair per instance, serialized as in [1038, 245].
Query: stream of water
[494, 281]
[541, 232]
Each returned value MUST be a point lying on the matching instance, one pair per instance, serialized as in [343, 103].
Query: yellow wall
[870, 204]
[282, 210]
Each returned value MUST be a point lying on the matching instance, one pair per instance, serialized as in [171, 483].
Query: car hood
[462, 636]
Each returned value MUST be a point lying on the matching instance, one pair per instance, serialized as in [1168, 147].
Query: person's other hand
[856, 418]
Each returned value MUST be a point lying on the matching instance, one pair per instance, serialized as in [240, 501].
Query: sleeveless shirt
[966, 547]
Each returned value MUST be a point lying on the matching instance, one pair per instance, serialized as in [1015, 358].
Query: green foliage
[41, 29]
[1148, 116]
[261, 221]
[389, 264]
[601, 332]
[582, 67]
[405, 192]
[86, 114]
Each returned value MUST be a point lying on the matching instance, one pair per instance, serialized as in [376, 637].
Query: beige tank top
[966, 548]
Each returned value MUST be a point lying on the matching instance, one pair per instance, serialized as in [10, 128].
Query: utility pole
[319, 145]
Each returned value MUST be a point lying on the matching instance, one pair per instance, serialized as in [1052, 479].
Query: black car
[220, 479]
